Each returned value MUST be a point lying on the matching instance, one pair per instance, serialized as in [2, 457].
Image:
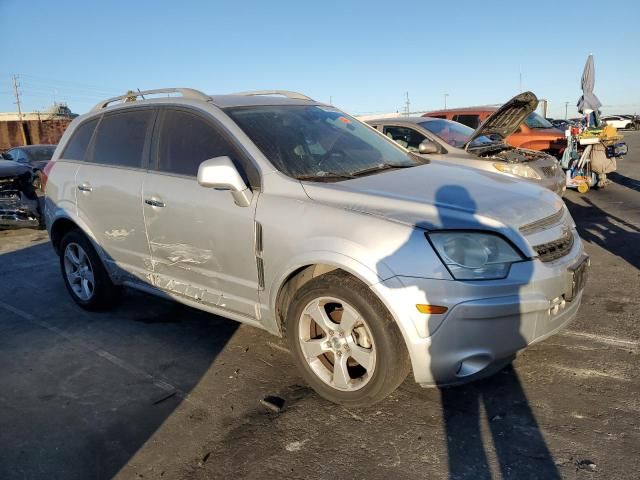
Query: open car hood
[507, 118]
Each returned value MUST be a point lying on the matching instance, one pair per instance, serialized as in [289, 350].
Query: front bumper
[18, 211]
[486, 323]
[556, 183]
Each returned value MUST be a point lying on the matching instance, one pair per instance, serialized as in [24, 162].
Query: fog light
[422, 308]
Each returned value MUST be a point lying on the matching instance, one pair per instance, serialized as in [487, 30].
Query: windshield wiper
[324, 175]
[378, 168]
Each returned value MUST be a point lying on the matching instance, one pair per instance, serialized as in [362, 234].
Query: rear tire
[345, 342]
[84, 275]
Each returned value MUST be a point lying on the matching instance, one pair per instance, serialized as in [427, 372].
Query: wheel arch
[296, 276]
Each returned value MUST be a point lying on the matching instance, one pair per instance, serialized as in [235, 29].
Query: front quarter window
[318, 142]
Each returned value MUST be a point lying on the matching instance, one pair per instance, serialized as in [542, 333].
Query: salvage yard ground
[158, 390]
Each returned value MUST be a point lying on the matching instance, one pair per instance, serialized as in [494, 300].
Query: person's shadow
[515, 436]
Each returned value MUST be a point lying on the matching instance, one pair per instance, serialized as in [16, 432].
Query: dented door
[202, 244]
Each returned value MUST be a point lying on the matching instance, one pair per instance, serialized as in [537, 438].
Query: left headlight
[474, 255]
[518, 169]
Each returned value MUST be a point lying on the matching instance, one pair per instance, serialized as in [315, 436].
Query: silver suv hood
[507, 118]
[438, 195]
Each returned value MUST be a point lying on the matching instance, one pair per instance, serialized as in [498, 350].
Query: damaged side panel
[18, 200]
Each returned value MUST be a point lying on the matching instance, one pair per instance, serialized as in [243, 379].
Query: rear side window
[120, 138]
[472, 121]
[77, 146]
[187, 140]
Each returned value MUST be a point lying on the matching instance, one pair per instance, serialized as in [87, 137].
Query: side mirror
[220, 173]
[427, 146]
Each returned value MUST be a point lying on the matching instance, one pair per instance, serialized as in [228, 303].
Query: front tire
[84, 275]
[345, 342]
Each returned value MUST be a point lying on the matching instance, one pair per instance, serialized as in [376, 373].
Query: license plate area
[577, 278]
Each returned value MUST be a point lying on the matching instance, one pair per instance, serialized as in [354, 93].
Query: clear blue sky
[363, 54]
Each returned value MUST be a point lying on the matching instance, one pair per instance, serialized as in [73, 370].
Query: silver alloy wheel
[79, 272]
[337, 343]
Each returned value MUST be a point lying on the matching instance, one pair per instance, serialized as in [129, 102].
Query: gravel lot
[157, 390]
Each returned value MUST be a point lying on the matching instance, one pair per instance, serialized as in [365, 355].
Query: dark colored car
[36, 156]
[18, 199]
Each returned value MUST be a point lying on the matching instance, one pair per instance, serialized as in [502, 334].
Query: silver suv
[287, 214]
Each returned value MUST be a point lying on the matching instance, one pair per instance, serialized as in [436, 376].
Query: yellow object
[609, 131]
[422, 308]
[583, 187]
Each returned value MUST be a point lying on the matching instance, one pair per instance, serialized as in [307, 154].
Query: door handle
[153, 202]
[85, 187]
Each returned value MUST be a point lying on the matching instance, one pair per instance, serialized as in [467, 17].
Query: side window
[187, 140]
[407, 137]
[472, 121]
[77, 146]
[15, 155]
[120, 138]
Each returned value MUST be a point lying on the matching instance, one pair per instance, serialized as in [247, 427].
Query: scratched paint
[183, 289]
[119, 235]
[180, 254]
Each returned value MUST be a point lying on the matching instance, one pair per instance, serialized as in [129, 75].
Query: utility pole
[520, 76]
[17, 93]
[445, 100]
[407, 105]
[330, 99]
[566, 106]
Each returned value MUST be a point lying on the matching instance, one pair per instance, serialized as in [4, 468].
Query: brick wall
[38, 131]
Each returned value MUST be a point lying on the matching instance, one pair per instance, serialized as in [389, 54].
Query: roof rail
[185, 92]
[285, 93]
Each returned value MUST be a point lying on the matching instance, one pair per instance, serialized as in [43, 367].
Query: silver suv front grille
[542, 224]
[547, 252]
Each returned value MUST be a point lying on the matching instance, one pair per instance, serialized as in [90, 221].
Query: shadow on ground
[82, 392]
[606, 230]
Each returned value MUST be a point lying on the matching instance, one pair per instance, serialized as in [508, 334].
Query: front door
[202, 243]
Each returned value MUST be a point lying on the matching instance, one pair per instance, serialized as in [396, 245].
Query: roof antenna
[140, 92]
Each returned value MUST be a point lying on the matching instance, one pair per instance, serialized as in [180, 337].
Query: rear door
[202, 243]
[109, 189]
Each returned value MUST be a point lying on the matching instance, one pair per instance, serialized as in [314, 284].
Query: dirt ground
[158, 390]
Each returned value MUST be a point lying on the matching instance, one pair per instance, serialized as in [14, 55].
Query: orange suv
[535, 133]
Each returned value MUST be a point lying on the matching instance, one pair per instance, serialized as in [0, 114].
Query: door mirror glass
[427, 146]
[220, 173]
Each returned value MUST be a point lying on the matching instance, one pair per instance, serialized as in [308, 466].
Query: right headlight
[474, 255]
[518, 169]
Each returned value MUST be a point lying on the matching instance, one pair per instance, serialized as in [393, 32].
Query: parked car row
[372, 258]
[485, 148]
[533, 133]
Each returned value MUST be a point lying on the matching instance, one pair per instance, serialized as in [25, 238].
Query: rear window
[120, 138]
[471, 121]
[77, 146]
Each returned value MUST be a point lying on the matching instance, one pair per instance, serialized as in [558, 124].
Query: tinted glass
[187, 140]
[535, 120]
[472, 121]
[77, 146]
[42, 154]
[308, 141]
[454, 133]
[407, 137]
[120, 138]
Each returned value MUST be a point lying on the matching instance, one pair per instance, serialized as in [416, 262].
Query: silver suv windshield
[454, 133]
[311, 142]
